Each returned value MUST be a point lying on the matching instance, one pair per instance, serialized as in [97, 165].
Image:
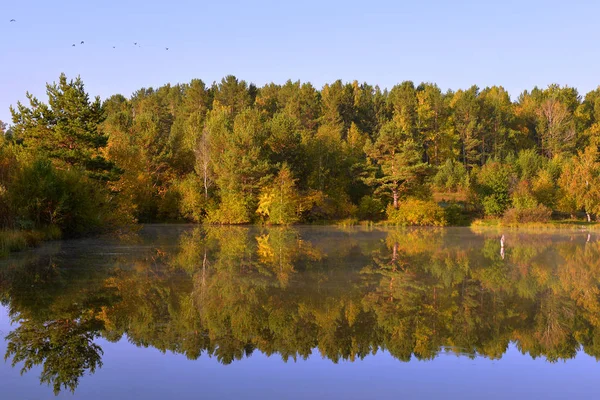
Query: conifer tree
[399, 162]
[67, 129]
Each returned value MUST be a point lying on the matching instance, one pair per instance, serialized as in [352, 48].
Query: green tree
[329, 173]
[403, 101]
[528, 164]
[285, 142]
[241, 167]
[365, 107]
[589, 114]
[397, 159]
[497, 123]
[337, 104]
[233, 94]
[451, 176]
[432, 124]
[465, 119]
[67, 129]
[494, 185]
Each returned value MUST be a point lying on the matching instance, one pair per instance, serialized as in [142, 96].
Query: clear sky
[516, 44]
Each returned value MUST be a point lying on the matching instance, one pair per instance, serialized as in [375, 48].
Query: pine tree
[67, 129]
[465, 119]
[399, 163]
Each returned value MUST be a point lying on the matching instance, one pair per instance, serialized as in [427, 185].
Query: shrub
[522, 198]
[493, 187]
[495, 204]
[12, 241]
[545, 189]
[370, 209]
[5, 211]
[192, 202]
[414, 212]
[539, 213]
[451, 176]
[316, 205]
[9, 163]
[234, 209]
[41, 196]
[347, 222]
[528, 163]
[456, 214]
[278, 202]
[169, 204]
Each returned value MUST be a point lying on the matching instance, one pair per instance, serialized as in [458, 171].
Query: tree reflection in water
[226, 291]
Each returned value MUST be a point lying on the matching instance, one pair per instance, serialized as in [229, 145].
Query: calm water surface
[186, 312]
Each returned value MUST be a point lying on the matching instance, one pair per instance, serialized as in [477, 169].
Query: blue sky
[516, 44]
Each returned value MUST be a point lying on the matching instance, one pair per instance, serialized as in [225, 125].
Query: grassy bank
[19, 240]
[568, 224]
[487, 224]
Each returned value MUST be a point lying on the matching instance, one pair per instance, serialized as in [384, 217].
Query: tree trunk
[482, 161]
[589, 217]
[204, 262]
[395, 194]
[205, 183]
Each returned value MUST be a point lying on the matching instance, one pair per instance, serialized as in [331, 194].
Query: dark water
[184, 312]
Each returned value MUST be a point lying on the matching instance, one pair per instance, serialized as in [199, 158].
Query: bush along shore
[234, 153]
[18, 240]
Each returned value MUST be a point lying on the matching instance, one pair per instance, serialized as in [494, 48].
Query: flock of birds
[83, 42]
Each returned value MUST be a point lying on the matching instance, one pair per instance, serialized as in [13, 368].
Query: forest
[235, 153]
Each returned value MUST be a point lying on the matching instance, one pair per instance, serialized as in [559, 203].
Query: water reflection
[226, 292]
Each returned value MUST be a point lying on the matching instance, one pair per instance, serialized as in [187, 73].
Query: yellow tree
[580, 180]
[279, 201]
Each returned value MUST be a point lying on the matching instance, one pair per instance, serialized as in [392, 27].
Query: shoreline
[13, 241]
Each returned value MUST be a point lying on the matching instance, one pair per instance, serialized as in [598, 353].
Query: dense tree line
[226, 292]
[235, 153]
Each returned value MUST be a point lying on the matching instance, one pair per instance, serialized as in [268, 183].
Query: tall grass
[552, 225]
[13, 240]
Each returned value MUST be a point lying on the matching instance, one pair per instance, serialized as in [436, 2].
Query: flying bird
[166, 48]
[73, 45]
[82, 42]
[114, 47]
[13, 20]
[135, 43]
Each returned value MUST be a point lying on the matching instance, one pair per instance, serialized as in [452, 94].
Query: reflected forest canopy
[225, 292]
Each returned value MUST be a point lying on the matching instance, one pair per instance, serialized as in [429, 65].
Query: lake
[188, 312]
